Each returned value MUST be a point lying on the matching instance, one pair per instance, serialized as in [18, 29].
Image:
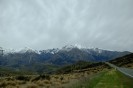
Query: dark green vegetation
[4, 72]
[42, 77]
[8, 71]
[125, 61]
[108, 79]
[36, 78]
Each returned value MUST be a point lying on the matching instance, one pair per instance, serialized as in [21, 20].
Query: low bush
[23, 78]
[42, 77]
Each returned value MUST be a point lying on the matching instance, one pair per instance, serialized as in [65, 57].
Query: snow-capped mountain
[24, 50]
[52, 51]
[68, 47]
[7, 51]
[66, 55]
[27, 50]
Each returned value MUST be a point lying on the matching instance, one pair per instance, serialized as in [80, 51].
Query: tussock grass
[51, 81]
[32, 86]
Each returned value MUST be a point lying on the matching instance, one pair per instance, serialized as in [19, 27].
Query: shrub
[42, 77]
[23, 78]
[61, 78]
[32, 86]
[3, 85]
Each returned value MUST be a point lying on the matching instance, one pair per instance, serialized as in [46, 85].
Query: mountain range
[50, 59]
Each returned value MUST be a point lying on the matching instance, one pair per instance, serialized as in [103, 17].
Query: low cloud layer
[43, 24]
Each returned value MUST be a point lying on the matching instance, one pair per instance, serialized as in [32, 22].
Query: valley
[57, 80]
[75, 73]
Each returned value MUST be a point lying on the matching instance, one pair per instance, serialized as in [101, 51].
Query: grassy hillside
[81, 66]
[4, 71]
[81, 70]
[41, 69]
[125, 61]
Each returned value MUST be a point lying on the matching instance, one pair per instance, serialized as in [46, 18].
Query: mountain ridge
[55, 50]
[42, 60]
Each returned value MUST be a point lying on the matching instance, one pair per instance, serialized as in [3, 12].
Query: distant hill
[124, 61]
[82, 66]
[51, 59]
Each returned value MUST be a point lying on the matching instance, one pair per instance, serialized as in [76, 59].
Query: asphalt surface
[126, 71]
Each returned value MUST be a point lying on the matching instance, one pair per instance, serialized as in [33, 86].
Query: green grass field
[108, 79]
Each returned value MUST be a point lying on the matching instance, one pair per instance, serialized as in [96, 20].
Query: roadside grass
[115, 79]
[89, 82]
[94, 80]
[125, 80]
[106, 79]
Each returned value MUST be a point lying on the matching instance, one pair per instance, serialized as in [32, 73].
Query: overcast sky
[43, 24]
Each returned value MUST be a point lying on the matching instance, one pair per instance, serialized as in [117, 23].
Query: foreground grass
[89, 82]
[114, 79]
[88, 79]
[109, 79]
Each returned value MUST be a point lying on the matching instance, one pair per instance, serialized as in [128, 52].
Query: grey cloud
[42, 24]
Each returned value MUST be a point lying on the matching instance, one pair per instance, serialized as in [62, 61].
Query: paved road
[126, 71]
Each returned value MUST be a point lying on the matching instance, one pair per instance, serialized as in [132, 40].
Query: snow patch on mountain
[27, 49]
[55, 50]
[52, 51]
